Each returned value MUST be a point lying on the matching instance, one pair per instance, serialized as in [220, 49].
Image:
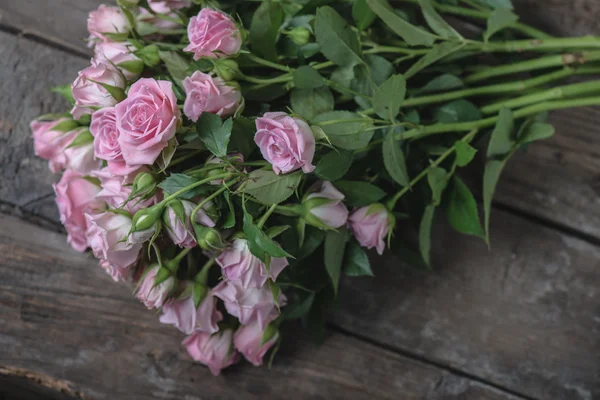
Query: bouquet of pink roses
[233, 159]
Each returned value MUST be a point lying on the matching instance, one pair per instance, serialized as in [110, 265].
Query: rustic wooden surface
[520, 322]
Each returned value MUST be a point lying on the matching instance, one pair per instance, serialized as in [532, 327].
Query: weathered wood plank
[524, 316]
[61, 315]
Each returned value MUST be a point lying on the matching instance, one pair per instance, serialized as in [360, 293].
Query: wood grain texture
[524, 315]
[61, 315]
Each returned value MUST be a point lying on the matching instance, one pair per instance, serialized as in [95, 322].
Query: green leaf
[389, 96]
[464, 153]
[351, 135]
[425, 233]
[381, 69]
[312, 102]
[264, 28]
[359, 193]
[334, 165]
[133, 66]
[436, 53]
[65, 91]
[357, 261]
[259, 243]
[269, 188]
[497, 3]
[338, 42]
[242, 136]
[457, 111]
[214, 133]
[362, 14]
[83, 138]
[166, 155]
[149, 55]
[491, 176]
[536, 131]
[499, 19]
[116, 92]
[298, 309]
[438, 180]
[462, 210]
[229, 220]
[335, 246]
[442, 83]
[65, 126]
[176, 65]
[176, 182]
[501, 142]
[306, 77]
[436, 22]
[393, 158]
[411, 34]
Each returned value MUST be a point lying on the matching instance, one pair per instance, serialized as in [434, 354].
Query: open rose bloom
[232, 163]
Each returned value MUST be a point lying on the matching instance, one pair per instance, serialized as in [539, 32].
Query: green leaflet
[264, 29]
[411, 34]
[338, 42]
[269, 188]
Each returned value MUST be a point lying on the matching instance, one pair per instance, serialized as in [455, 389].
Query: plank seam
[40, 40]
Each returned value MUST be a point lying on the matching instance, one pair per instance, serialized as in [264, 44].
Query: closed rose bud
[152, 293]
[371, 225]
[285, 142]
[146, 120]
[227, 69]
[79, 155]
[177, 220]
[205, 93]
[208, 239]
[116, 190]
[183, 314]
[248, 341]
[144, 185]
[299, 35]
[105, 20]
[107, 235]
[324, 208]
[116, 53]
[145, 222]
[50, 138]
[241, 266]
[215, 351]
[165, 6]
[213, 34]
[249, 305]
[88, 89]
[75, 196]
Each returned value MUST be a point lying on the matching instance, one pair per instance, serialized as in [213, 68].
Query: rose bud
[185, 316]
[285, 142]
[371, 225]
[165, 6]
[89, 92]
[227, 69]
[213, 34]
[116, 192]
[116, 272]
[75, 196]
[50, 138]
[209, 239]
[299, 35]
[205, 93]
[146, 120]
[240, 265]
[106, 141]
[324, 208]
[155, 23]
[107, 234]
[107, 20]
[177, 220]
[154, 287]
[145, 223]
[117, 53]
[254, 342]
[249, 305]
[215, 351]
[79, 155]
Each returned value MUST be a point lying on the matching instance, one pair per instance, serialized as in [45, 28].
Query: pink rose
[116, 190]
[215, 351]
[75, 196]
[48, 142]
[249, 305]
[107, 19]
[213, 34]
[116, 53]
[240, 265]
[116, 272]
[182, 232]
[207, 94]
[78, 158]
[165, 6]
[371, 225]
[325, 208]
[88, 91]
[247, 340]
[106, 141]
[184, 315]
[146, 120]
[153, 296]
[285, 142]
[158, 23]
[107, 235]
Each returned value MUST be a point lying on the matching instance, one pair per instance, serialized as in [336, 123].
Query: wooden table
[521, 321]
